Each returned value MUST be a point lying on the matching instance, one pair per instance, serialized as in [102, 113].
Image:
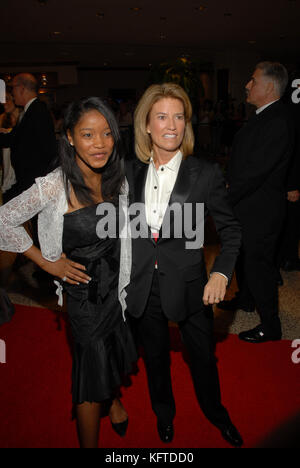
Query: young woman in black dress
[90, 173]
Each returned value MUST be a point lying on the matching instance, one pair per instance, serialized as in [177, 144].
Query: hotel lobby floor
[23, 289]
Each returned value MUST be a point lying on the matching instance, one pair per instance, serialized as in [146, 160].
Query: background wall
[99, 82]
[72, 83]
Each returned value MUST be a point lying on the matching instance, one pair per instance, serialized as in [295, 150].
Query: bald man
[32, 141]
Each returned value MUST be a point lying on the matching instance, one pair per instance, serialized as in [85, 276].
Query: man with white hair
[257, 188]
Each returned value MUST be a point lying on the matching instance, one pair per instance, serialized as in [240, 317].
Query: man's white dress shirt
[262, 108]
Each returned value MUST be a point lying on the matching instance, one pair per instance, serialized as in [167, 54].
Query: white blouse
[47, 198]
[159, 186]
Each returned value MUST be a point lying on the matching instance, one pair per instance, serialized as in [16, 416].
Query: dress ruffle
[99, 366]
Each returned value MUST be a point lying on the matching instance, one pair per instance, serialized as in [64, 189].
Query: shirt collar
[262, 108]
[173, 164]
[29, 104]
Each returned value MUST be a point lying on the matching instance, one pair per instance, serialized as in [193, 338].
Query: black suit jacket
[33, 145]
[182, 272]
[257, 172]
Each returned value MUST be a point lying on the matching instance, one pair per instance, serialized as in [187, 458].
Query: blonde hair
[143, 142]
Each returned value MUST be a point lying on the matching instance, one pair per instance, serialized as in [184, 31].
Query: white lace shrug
[47, 198]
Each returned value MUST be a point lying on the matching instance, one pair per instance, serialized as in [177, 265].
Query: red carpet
[260, 387]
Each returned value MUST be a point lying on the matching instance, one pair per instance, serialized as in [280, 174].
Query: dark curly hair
[113, 171]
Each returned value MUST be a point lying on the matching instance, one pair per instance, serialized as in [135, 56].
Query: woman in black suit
[169, 280]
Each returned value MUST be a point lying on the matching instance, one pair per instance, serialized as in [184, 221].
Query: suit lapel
[26, 116]
[182, 187]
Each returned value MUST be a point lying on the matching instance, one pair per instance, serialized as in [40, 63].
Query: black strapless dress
[104, 349]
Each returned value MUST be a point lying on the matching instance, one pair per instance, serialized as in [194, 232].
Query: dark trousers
[256, 274]
[197, 334]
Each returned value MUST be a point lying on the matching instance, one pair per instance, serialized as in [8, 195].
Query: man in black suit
[32, 141]
[257, 189]
[33, 148]
[169, 278]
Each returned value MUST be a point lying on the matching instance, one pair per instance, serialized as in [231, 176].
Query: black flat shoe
[231, 435]
[120, 428]
[166, 433]
[258, 335]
